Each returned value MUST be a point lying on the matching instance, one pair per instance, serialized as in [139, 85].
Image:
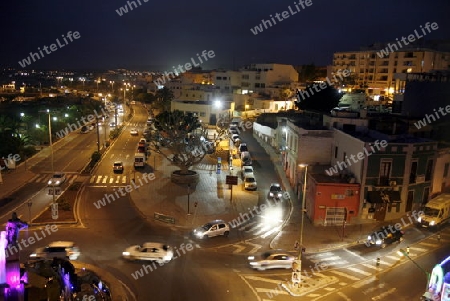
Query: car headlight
[253, 263]
[33, 255]
[125, 253]
[432, 223]
[279, 195]
[369, 237]
[378, 242]
[57, 182]
[251, 258]
[270, 194]
[49, 182]
[167, 257]
[419, 219]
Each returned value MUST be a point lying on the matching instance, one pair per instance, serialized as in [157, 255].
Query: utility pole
[98, 137]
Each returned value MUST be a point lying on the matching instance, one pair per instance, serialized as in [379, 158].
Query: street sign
[57, 190]
[55, 210]
[232, 180]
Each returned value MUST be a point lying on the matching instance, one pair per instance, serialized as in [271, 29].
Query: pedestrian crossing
[337, 272]
[108, 179]
[43, 178]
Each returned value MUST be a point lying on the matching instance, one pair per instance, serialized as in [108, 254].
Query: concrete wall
[348, 145]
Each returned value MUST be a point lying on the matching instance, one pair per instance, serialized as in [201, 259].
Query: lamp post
[189, 193]
[303, 215]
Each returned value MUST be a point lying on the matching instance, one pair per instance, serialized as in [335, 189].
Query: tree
[164, 97]
[324, 100]
[179, 137]
[308, 73]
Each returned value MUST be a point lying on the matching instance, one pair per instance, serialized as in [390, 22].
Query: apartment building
[373, 70]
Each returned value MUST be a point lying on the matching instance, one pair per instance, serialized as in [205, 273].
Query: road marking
[248, 225]
[238, 248]
[111, 180]
[271, 290]
[276, 229]
[256, 247]
[257, 278]
[344, 296]
[429, 244]
[99, 178]
[105, 179]
[325, 259]
[356, 270]
[354, 254]
[124, 179]
[364, 282]
[392, 257]
[92, 179]
[345, 275]
[370, 266]
[320, 255]
[117, 179]
[329, 289]
[418, 249]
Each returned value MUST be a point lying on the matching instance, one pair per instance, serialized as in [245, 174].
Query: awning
[376, 197]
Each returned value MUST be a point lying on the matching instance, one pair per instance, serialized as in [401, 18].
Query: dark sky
[164, 33]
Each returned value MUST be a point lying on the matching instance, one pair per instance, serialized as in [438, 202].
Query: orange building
[331, 200]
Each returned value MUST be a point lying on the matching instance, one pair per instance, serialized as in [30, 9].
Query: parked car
[84, 129]
[57, 179]
[385, 236]
[112, 124]
[273, 259]
[246, 160]
[250, 182]
[211, 229]
[246, 170]
[235, 137]
[209, 147]
[118, 167]
[275, 191]
[149, 251]
[242, 147]
[134, 132]
[58, 249]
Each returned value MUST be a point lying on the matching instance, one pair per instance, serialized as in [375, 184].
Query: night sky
[159, 34]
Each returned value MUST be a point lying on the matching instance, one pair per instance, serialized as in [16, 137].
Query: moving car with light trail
[273, 259]
[385, 236]
[151, 251]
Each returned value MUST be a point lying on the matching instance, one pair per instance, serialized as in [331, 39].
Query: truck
[139, 160]
[436, 212]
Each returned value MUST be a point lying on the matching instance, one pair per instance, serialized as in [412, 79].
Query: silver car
[273, 259]
[211, 229]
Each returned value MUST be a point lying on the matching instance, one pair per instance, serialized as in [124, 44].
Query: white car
[57, 179]
[59, 249]
[149, 251]
[211, 229]
[246, 170]
[133, 132]
[273, 259]
[250, 182]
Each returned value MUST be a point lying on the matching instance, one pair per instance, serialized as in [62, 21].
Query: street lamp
[303, 215]
[189, 193]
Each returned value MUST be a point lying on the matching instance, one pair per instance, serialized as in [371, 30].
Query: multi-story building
[373, 70]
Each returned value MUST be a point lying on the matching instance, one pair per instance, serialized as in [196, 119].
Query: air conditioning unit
[392, 183]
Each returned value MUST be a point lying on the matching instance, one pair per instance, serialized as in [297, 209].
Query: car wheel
[262, 268]
[205, 236]
[226, 233]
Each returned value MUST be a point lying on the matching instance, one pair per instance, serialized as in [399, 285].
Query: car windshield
[275, 188]
[265, 255]
[57, 176]
[250, 180]
[117, 164]
[206, 226]
[431, 211]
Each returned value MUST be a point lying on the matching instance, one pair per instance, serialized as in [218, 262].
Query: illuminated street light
[302, 165]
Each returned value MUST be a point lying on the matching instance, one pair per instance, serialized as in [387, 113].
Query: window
[426, 193]
[256, 85]
[385, 172]
[446, 169]
[245, 76]
[202, 114]
[263, 85]
[428, 171]
[349, 192]
[413, 173]
[343, 157]
[258, 77]
[335, 152]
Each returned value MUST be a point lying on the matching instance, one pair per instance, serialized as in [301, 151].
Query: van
[436, 211]
[246, 160]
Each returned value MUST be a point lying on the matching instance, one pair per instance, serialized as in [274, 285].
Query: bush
[96, 157]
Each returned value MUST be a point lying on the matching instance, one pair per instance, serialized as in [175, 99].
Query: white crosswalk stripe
[43, 178]
[356, 270]
[108, 179]
[345, 275]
